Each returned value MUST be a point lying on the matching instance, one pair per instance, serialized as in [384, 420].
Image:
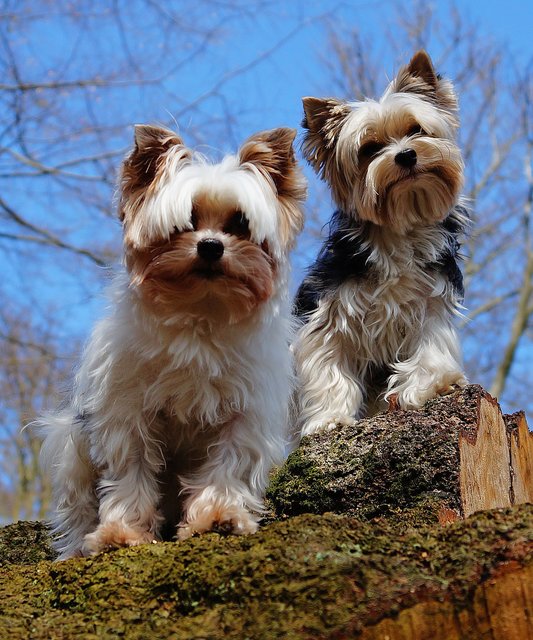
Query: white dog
[180, 406]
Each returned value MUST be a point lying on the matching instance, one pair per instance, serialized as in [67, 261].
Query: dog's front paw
[416, 391]
[447, 389]
[228, 519]
[112, 535]
[325, 423]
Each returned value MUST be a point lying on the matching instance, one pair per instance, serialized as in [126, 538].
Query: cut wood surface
[497, 464]
[486, 475]
[521, 447]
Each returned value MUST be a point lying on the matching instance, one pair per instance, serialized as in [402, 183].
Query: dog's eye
[237, 225]
[416, 130]
[370, 149]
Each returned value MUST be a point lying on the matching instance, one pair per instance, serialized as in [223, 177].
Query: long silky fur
[377, 306]
[169, 406]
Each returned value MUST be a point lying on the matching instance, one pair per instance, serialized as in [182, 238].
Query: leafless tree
[32, 373]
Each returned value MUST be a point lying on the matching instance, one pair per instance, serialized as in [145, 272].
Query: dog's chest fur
[374, 291]
[200, 381]
[377, 317]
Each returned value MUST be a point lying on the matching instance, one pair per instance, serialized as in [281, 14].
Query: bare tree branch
[45, 237]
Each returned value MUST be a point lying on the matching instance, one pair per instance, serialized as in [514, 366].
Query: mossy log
[401, 558]
[456, 456]
[25, 543]
[309, 576]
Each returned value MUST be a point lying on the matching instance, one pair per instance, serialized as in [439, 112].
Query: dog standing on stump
[377, 306]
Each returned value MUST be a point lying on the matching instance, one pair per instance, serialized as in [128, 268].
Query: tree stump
[456, 456]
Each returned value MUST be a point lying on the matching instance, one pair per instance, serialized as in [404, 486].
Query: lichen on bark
[309, 576]
[380, 466]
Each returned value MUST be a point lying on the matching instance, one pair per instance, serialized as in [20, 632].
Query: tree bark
[455, 456]
[412, 565]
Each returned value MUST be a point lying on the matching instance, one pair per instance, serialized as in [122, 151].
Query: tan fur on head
[170, 275]
[172, 198]
[354, 148]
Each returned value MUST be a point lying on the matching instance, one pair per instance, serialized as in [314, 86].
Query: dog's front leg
[130, 459]
[433, 369]
[226, 492]
[329, 388]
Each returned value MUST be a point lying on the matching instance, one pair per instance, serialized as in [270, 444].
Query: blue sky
[264, 62]
[511, 22]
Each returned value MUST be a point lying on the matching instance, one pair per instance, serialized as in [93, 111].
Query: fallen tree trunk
[306, 577]
[383, 566]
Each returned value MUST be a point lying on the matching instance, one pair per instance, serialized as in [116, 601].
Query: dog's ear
[322, 114]
[147, 136]
[416, 77]
[323, 119]
[272, 154]
[420, 77]
[420, 66]
[140, 167]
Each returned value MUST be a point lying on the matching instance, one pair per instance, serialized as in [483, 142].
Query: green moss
[25, 543]
[299, 487]
[305, 577]
[371, 469]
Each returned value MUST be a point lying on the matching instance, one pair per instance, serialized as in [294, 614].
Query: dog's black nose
[210, 249]
[406, 158]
